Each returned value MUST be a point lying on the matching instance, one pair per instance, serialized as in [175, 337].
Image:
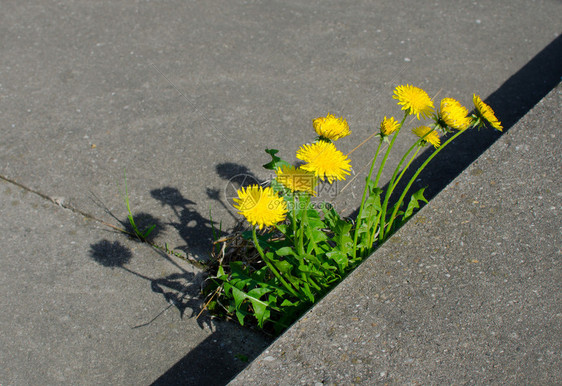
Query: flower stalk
[384, 233]
[365, 192]
[394, 182]
[270, 265]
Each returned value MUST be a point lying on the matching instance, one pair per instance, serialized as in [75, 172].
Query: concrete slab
[184, 95]
[84, 305]
[466, 292]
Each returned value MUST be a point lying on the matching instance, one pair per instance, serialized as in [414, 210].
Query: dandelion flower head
[485, 112]
[432, 137]
[331, 128]
[389, 126]
[297, 179]
[453, 114]
[324, 160]
[261, 206]
[414, 100]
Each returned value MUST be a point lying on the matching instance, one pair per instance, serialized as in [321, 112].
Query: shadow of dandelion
[179, 289]
[110, 254]
[195, 229]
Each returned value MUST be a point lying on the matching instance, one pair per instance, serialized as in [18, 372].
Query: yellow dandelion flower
[297, 179]
[485, 113]
[261, 206]
[389, 126]
[414, 100]
[324, 160]
[432, 137]
[331, 127]
[453, 114]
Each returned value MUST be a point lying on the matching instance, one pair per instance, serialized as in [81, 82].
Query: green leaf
[285, 251]
[227, 288]
[258, 292]
[364, 239]
[340, 259]
[306, 290]
[371, 207]
[284, 266]
[241, 314]
[260, 274]
[239, 278]
[373, 190]
[283, 228]
[312, 264]
[260, 307]
[276, 162]
[261, 312]
[148, 231]
[288, 303]
[342, 236]
[314, 219]
[414, 204]
[239, 296]
[315, 235]
[331, 217]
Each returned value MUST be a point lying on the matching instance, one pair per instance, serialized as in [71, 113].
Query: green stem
[381, 167]
[359, 217]
[393, 182]
[294, 221]
[271, 266]
[389, 149]
[389, 190]
[300, 245]
[136, 230]
[393, 216]
[302, 226]
[312, 283]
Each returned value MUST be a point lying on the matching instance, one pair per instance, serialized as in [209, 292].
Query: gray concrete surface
[185, 95]
[467, 292]
[84, 305]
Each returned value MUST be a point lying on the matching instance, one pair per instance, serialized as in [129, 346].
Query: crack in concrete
[59, 201]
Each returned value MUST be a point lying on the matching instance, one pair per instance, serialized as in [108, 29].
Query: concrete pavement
[184, 96]
[81, 304]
